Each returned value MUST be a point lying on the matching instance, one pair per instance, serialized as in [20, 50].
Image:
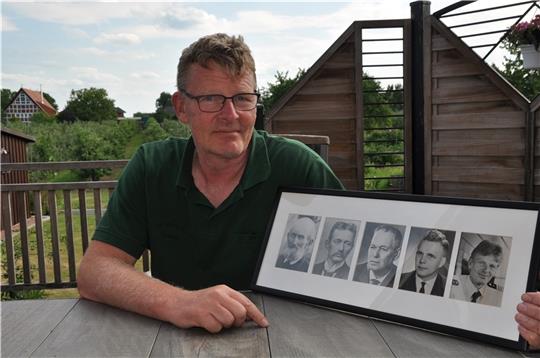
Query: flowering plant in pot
[526, 35]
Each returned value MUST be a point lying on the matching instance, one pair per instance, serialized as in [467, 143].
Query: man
[430, 256]
[477, 287]
[200, 205]
[339, 244]
[297, 249]
[383, 251]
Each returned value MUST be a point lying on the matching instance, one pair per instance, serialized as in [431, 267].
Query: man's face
[339, 245]
[225, 134]
[482, 269]
[429, 259]
[381, 252]
[299, 238]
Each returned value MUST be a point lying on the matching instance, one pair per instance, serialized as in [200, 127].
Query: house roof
[119, 110]
[18, 134]
[38, 99]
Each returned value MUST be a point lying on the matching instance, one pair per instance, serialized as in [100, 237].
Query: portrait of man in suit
[382, 253]
[431, 256]
[335, 249]
[297, 248]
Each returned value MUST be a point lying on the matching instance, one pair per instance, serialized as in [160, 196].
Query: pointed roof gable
[38, 99]
[312, 70]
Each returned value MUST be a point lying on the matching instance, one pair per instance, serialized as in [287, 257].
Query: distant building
[119, 112]
[14, 150]
[26, 103]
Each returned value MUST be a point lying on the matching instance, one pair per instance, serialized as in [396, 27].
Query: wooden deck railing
[44, 251]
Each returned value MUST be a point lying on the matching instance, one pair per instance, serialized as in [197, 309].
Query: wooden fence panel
[8, 237]
[51, 196]
[39, 237]
[69, 235]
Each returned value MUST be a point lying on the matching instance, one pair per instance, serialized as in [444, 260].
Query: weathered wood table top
[80, 328]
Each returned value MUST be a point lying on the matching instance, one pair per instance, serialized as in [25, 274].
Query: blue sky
[131, 48]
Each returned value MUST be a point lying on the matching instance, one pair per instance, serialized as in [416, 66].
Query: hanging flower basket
[526, 35]
[531, 56]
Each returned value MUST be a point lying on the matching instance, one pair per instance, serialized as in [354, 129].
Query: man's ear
[179, 102]
[443, 262]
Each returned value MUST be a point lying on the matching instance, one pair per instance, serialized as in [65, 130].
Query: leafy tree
[175, 129]
[91, 104]
[153, 131]
[51, 100]
[283, 83]
[164, 107]
[7, 95]
[526, 81]
[41, 117]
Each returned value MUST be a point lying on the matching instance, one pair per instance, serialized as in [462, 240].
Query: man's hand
[215, 308]
[528, 318]
[107, 275]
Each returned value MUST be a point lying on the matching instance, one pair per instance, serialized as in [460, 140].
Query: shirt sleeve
[124, 224]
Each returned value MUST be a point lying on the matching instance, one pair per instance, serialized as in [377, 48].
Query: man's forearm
[117, 283]
[107, 275]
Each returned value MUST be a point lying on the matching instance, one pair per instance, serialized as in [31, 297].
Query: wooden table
[80, 328]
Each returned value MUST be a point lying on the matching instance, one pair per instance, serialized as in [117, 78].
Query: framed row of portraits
[457, 266]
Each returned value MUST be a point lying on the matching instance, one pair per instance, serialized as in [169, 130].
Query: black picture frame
[305, 220]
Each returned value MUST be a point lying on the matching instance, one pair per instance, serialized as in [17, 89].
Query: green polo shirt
[193, 244]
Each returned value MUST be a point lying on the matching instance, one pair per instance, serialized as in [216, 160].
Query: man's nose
[423, 259]
[229, 110]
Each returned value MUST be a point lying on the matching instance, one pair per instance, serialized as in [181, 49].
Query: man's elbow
[84, 282]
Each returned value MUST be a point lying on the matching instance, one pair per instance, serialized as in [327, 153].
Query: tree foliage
[164, 107]
[91, 104]
[283, 83]
[526, 81]
[51, 100]
[7, 95]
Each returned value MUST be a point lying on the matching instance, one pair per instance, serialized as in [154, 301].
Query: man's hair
[398, 236]
[437, 236]
[340, 225]
[229, 52]
[487, 248]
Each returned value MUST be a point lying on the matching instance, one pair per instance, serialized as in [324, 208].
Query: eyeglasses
[211, 103]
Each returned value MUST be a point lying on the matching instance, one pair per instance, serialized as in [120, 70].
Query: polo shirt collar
[257, 168]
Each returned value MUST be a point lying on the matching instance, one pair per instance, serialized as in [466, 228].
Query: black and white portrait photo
[480, 270]
[426, 262]
[335, 248]
[379, 254]
[297, 244]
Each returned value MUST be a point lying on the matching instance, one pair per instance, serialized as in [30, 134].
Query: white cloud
[93, 76]
[118, 39]
[8, 25]
[145, 75]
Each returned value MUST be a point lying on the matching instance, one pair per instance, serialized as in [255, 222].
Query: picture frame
[473, 258]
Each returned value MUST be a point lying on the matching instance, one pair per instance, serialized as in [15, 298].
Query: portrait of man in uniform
[480, 278]
[380, 251]
[297, 245]
[335, 248]
[430, 256]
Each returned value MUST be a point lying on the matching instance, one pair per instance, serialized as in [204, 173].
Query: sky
[132, 48]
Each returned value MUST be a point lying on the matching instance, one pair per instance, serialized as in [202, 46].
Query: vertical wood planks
[39, 237]
[97, 205]
[23, 236]
[69, 235]
[359, 97]
[54, 236]
[8, 239]
[84, 219]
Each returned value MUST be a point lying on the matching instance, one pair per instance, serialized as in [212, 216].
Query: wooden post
[419, 12]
